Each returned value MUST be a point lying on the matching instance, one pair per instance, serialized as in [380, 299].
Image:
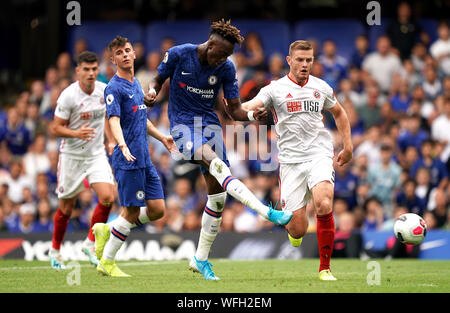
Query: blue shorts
[189, 138]
[136, 186]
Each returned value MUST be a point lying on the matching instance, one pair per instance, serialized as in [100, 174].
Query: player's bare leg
[60, 222]
[211, 220]
[105, 195]
[322, 197]
[233, 186]
[297, 227]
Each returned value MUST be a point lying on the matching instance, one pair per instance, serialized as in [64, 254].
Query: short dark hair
[227, 31]
[119, 41]
[87, 57]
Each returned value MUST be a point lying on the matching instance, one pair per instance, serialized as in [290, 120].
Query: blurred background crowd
[396, 95]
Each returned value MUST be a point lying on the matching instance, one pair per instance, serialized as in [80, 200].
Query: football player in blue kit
[196, 74]
[139, 187]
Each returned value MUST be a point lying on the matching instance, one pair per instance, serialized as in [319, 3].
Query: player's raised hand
[126, 153]
[85, 132]
[344, 157]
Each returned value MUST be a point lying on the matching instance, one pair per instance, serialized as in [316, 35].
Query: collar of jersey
[296, 82]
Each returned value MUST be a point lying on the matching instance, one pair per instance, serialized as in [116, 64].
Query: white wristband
[250, 115]
[152, 90]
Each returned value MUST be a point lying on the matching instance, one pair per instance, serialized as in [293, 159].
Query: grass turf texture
[265, 276]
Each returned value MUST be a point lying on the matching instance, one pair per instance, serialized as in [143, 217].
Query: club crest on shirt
[316, 94]
[140, 195]
[212, 80]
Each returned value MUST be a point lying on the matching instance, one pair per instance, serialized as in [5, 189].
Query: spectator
[347, 238]
[431, 85]
[407, 198]
[345, 185]
[424, 187]
[64, 66]
[382, 64]
[3, 227]
[37, 92]
[369, 111]
[409, 73]
[252, 86]
[419, 56]
[17, 181]
[146, 73]
[16, 135]
[36, 159]
[175, 217]
[437, 169]
[412, 134]
[140, 61]
[25, 225]
[333, 64]
[361, 51]
[374, 216]
[44, 222]
[277, 68]
[183, 194]
[384, 179]
[252, 50]
[404, 30]
[441, 208]
[370, 147]
[347, 93]
[51, 78]
[440, 49]
[401, 99]
[440, 131]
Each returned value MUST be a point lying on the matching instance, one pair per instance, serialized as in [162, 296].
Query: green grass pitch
[265, 276]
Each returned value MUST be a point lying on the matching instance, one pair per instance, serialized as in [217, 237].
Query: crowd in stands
[397, 97]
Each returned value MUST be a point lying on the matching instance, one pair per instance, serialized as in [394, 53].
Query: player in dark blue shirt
[138, 183]
[197, 72]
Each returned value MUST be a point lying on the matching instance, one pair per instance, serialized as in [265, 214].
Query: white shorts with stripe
[297, 180]
[73, 171]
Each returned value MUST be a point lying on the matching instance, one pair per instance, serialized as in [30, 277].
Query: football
[410, 228]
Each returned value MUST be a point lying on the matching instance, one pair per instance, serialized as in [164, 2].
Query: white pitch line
[20, 268]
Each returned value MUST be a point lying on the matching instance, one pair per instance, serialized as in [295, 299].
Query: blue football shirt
[194, 87]
[126, 100]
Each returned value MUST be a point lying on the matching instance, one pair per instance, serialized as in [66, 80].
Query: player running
[80, 120]
[139, 186]
[306, 147]
[196, 74]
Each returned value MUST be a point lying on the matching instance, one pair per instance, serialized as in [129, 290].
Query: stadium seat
[342, 31]
[99, 34]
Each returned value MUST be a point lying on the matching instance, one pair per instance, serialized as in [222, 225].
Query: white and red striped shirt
[297, 112]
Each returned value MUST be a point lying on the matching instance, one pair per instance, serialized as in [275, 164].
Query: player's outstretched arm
[58, 127]
[153, 91]
[167, 141]
[116, 130]
[343, 126]
[248, 111]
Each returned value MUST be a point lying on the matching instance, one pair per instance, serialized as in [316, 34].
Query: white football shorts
[73, 171]
[297, 180]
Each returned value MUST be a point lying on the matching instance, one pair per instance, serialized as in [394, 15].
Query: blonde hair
[300, 45]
